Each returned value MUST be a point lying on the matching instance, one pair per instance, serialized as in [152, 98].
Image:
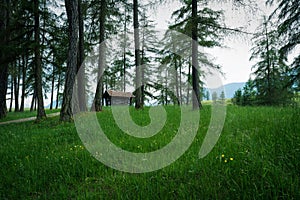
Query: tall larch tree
[287, 14]
[138, 92]
[101, 60]
[81, 55]
[195, 65]
[38, 63]
[72, 60]
[4, 16]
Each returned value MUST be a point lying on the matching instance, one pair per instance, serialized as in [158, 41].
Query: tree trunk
[142, 75]
[177, 83]
[180, 81]
[138, 94]
[24, 67]
[101, 62]
[4, 17]
[166, 88]
[3, 89]
[32, 106]
[58, 87]
[11, 93]
[188, 82]
[268, 95]
[52, 87]
[81, 74]
[195, 69]
[16, 88]
[38, 63]
[124, 50]
[72, 13]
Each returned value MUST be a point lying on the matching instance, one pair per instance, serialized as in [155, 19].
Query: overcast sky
[235, 58]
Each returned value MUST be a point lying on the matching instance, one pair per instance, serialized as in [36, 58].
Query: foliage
[287, 14]
[214, 96]
[271, 72]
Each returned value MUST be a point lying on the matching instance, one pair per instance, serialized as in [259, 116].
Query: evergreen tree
[4, 18]
[214, 97]
[287, 14]
[72, 12]
[270, 70]
[101, 62]
[138, 84]
[38, 63]
[222, 96]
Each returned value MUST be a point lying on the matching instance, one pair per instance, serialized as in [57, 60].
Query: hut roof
[114, 93]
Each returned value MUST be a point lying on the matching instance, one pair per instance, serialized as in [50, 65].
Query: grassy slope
[48, 160]
[20, 115]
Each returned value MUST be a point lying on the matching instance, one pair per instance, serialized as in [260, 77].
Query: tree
[4, 17]
[288, 17]
[237, 98]
[195, 64]
[249, 96]
[138, 92]
[101, 61]
[207, 95]
[72, 13]
[38, 63]
[203, 26]
[222, 96]
[270, 70]
[80, 64]
[214, 97]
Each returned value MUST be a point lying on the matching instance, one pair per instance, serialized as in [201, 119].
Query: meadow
[256, 157]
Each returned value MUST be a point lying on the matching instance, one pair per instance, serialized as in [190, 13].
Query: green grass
[48, 160]
[26, 114]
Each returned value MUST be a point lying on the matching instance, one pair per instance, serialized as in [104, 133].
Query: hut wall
[119, 101]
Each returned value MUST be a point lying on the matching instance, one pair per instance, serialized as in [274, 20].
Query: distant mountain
[229, 89]
[54, 104]
[232, 87]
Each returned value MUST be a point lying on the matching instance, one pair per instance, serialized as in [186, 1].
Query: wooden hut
[112, 97]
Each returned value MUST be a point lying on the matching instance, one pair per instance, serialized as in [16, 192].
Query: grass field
[256, 157]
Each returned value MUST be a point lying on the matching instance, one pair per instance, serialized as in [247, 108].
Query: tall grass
[256, 157]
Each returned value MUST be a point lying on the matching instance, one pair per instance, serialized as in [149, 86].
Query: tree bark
[16, 87]
[138, 94]
[11, 93]
[72, 13]
[180, 81]
[38, 63]
[33, 100]
[98, 101]
[124, 50]
[24, 67]
[52, 87]
[195, 69]
[4, 17]
[3, 89]
[58, 88]
[188, 82]
[81, 74]
[166, 88]
[177, 83]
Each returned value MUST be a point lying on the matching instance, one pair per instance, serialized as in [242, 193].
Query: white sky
[235, 58]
